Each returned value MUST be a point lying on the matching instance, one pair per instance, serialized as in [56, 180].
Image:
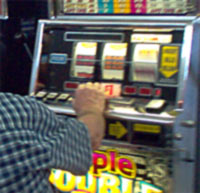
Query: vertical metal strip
[36, 57]
[184, 61]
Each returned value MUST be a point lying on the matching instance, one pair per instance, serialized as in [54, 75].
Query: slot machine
[3, 16]
[147, 66]
[61, 9]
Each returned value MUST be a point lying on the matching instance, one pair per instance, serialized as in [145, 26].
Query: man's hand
[89, 105]
[89, 97]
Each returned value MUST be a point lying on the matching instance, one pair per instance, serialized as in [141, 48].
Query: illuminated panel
[112, 172]
[145, 62]
[153, 30]
[126, 6]
[145, 91]
[122, 6]
[152, 38]
[84, 60]
[113, 61]
[80, 6]
[169, 65]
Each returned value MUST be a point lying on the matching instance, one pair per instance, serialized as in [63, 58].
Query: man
[33, 139]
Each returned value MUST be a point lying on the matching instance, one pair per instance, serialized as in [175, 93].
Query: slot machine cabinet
[145, 60]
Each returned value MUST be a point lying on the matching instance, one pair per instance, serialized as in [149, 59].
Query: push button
[70, 99]
[52, 96]
[122, 101]
[155, 106]
[63, 97]
[40, 95]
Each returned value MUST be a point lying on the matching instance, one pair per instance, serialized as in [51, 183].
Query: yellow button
[52, 95]
[63, 97]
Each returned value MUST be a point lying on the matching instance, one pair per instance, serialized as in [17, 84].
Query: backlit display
[84, 60]
[145, 62]
[152, 38]
[113, 61]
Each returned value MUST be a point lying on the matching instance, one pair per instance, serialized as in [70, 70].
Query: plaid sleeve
[66, 139]
[34, 138]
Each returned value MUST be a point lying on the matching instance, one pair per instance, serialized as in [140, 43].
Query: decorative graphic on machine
[169, 65]
[112, 172]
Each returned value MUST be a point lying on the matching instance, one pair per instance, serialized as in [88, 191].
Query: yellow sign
[89, 44]
[147, 128]
[117, 129]
[169, 61]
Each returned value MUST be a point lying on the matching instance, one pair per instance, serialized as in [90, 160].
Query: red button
[130, 90]
[71, 85]
[145, 91]
[157, 92]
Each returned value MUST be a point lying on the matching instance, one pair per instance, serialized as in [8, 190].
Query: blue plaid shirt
[33, 140]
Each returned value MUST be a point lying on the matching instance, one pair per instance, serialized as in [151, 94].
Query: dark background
[17, 38]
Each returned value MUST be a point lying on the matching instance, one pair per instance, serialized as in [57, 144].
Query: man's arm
[96, 124]
[35, 140]
[89, 105]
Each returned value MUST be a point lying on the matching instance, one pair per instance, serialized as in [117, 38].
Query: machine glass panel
[136, 63]
[139, 69]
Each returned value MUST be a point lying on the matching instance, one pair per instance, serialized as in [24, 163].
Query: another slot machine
[63, 8]
[3, 9]
[144, 66]
[3, 16]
